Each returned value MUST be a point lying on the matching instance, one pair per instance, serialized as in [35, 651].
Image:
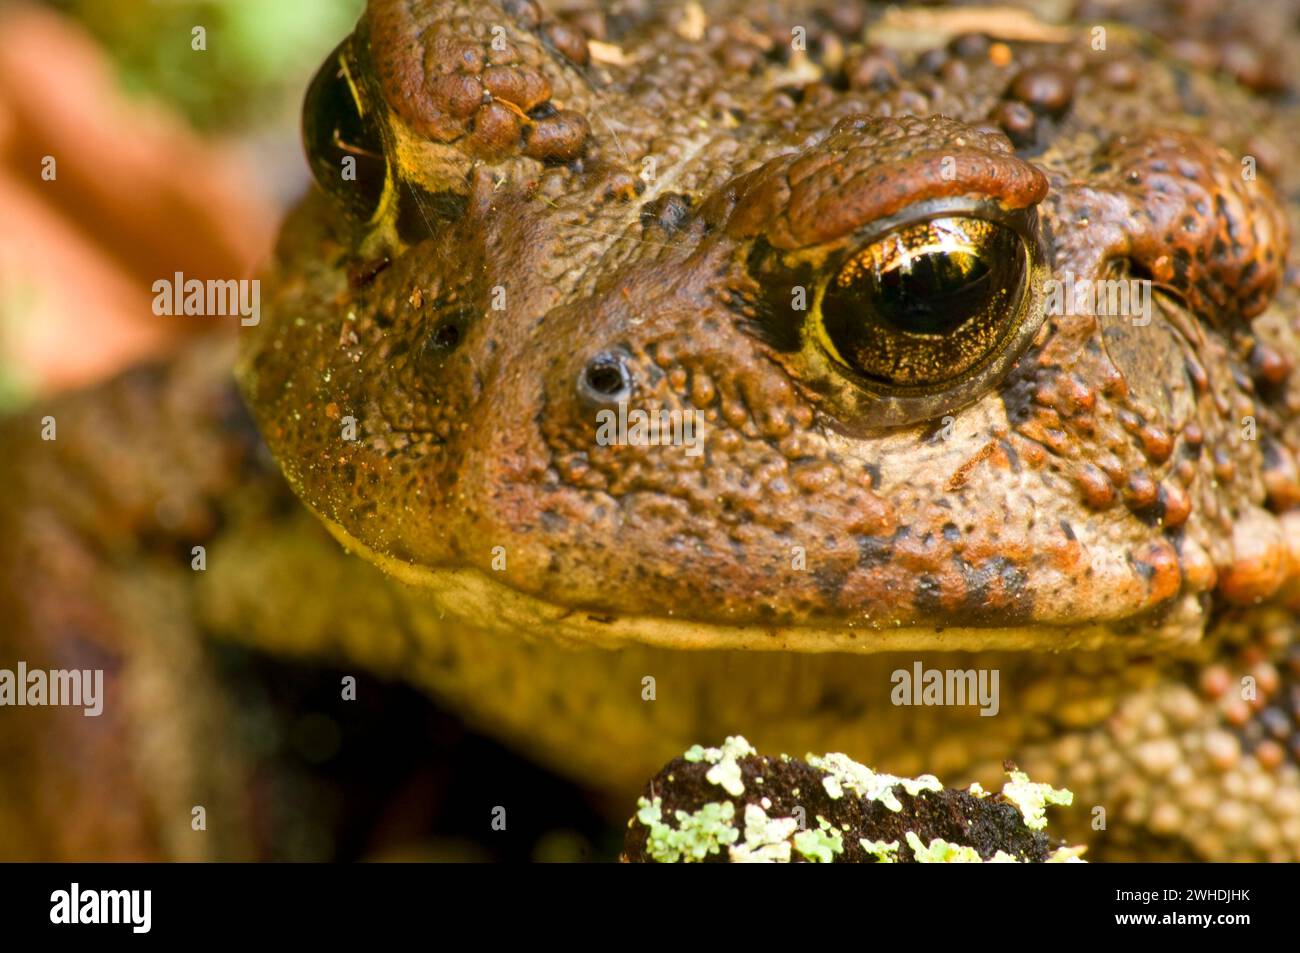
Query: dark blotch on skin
[982, 590]
[878, 550]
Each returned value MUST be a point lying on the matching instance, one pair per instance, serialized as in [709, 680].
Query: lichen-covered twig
[731, 804]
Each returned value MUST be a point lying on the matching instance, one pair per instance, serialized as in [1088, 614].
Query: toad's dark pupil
[934, 295]
[925, 303]
[342, 138]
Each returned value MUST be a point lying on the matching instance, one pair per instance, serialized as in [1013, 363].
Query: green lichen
[695, 837]
[884, 852]
[697, 753]
[767, 840]
[842, 772]
[725, 760]
[820, 846]
[734, 747]
[726, 775]
[940, 851]
[1032, 798]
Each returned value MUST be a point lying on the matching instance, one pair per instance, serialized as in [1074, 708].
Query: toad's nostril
[606, 379]
[445, 336]
[440, 342]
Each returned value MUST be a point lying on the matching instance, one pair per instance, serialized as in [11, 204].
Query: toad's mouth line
[473, 595]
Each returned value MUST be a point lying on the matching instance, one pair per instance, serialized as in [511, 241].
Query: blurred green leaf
[259, 56]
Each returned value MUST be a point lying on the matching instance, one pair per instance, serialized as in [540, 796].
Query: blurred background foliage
[169, 158]
[257, 52]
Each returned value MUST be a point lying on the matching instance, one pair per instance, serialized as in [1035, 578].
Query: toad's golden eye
[925, 305]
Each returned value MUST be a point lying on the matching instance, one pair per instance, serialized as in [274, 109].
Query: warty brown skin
[1068, 493]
